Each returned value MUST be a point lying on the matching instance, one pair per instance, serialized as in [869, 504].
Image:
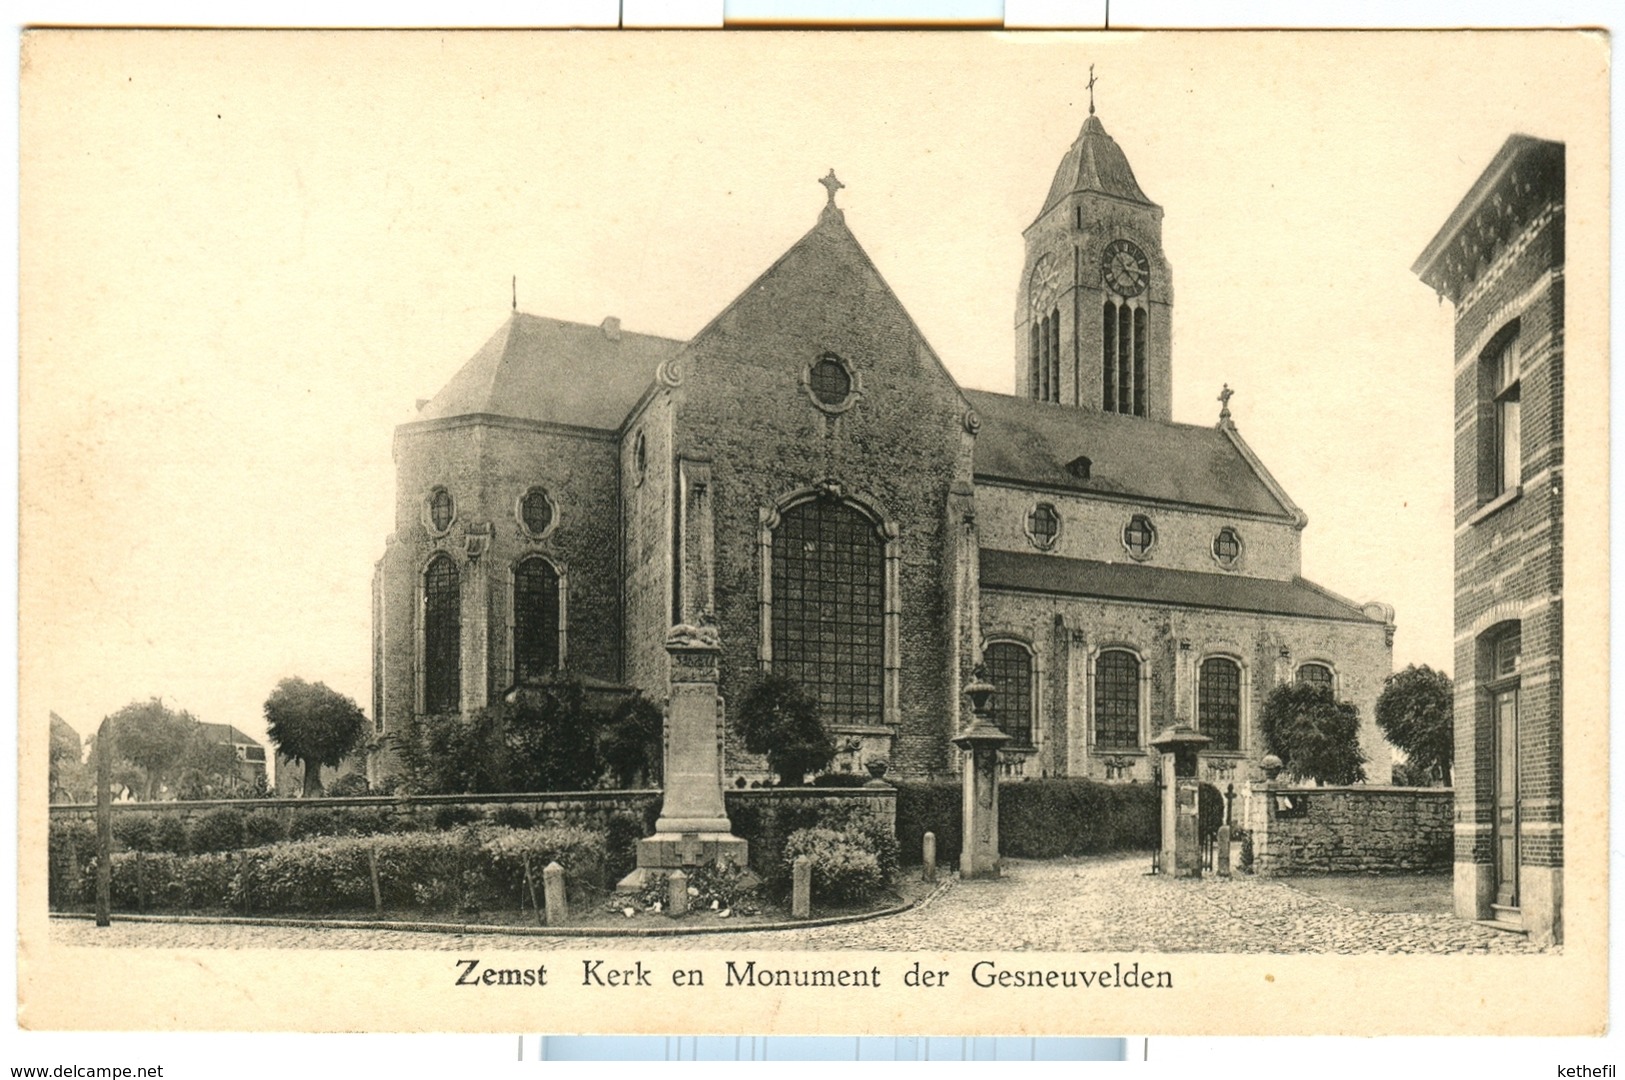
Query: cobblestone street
[1065, 905]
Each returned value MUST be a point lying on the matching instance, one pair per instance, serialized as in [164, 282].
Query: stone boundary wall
[1349, 830]
[590, 808]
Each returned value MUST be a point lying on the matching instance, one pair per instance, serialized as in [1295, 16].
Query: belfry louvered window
[1122, 358]
[829, 608]
[442, 636]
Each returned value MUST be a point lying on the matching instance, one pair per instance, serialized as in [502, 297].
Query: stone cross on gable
[1224, 402]
[831, 185]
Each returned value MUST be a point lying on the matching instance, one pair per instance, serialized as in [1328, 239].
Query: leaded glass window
[536, 511]
[1219, 704]
[440, 509]
[830, 381]
[535, 619]
[1009, 668]
[1227, 547]
[829, 608]
[1139, 536]
[1316, 675]
[1043, 525]
[1117, 700]
[442, 637]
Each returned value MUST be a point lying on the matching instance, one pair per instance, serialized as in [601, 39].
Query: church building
[806, 471]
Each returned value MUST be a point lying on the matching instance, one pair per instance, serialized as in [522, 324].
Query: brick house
[1499, 260]
[806, 470]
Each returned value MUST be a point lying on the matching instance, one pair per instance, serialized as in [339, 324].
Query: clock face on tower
[1046, 277]
[1124, 268]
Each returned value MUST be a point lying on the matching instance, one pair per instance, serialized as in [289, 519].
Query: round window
[536, 511]
[1043, 525]
[441, 510]
[1139, 536]
[829, 381]
[1227, 547]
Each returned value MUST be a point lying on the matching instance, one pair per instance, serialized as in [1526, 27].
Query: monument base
[660, 854]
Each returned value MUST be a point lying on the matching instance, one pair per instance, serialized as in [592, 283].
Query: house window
[1139, 536]
[1316, 675]
[1117, 700]
[536, 512]
[1009, 668]
[442, 636]
[828, 608]
[442, 511]
[1503, 378]
[1227, 548]
[1043, 526]
[1219, 703]
[535, 619]
[1508, 653]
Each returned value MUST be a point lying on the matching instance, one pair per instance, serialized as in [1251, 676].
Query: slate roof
[227, 733]
[1094, 162]
[554, 371]
[1054, 575]
[1033, 442]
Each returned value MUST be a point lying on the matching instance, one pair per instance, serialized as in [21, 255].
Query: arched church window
[442, 636]
[829, 607]
[1117, 700]
[535, 619]
[1315, 675]
[1218, 714]
[1009, 668]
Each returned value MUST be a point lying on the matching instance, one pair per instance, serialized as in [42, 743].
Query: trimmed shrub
[513, 817]
[308, 823]
[842, 871]
[369, 822]
[224, 828]
[579, 851]
[169, 834]
[840, 779]
[133, 832]
[264, 827]
[71, 847]
[449, 817]
[1038, 819]
[855, 819]
[934, 807]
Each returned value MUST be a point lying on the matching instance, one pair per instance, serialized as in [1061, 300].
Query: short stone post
[1221, 856]
[801, 888]
[1181, 800]
[677, 894]
[928, 856]
[558, 906]
[979, 855]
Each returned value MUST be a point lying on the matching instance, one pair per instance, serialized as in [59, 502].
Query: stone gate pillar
[1181, 800]
[979, 851]
[693, 828]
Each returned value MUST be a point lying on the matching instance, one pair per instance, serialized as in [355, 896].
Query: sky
[246, 256]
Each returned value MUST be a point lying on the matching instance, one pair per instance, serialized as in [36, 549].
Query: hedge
[1038, 819]
[468, 869]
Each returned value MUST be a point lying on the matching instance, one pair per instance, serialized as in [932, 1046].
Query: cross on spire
[1224, 403]
[831, 185]
[1091, 85]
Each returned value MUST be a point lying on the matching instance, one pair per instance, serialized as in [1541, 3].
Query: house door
[1506, 800]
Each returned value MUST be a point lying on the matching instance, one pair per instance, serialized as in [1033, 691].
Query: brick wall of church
[647, 543]
[742, 404]
[1065, 632]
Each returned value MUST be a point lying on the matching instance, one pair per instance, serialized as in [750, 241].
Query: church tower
[1093, 304]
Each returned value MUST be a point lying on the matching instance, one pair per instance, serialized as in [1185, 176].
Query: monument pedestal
[693, 828]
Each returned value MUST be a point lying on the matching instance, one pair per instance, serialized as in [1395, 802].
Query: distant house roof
[1094, 162]
[226, 733]
[555, 371]
[1032, 572]
[1034, 442]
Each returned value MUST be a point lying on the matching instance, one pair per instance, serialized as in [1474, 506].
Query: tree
[153, 738]
[779, 720]
[1416, 712]
[545, 739]
[1316, 737]
[632, 742]
[69, 782]
[209, 768]
[313, 725]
